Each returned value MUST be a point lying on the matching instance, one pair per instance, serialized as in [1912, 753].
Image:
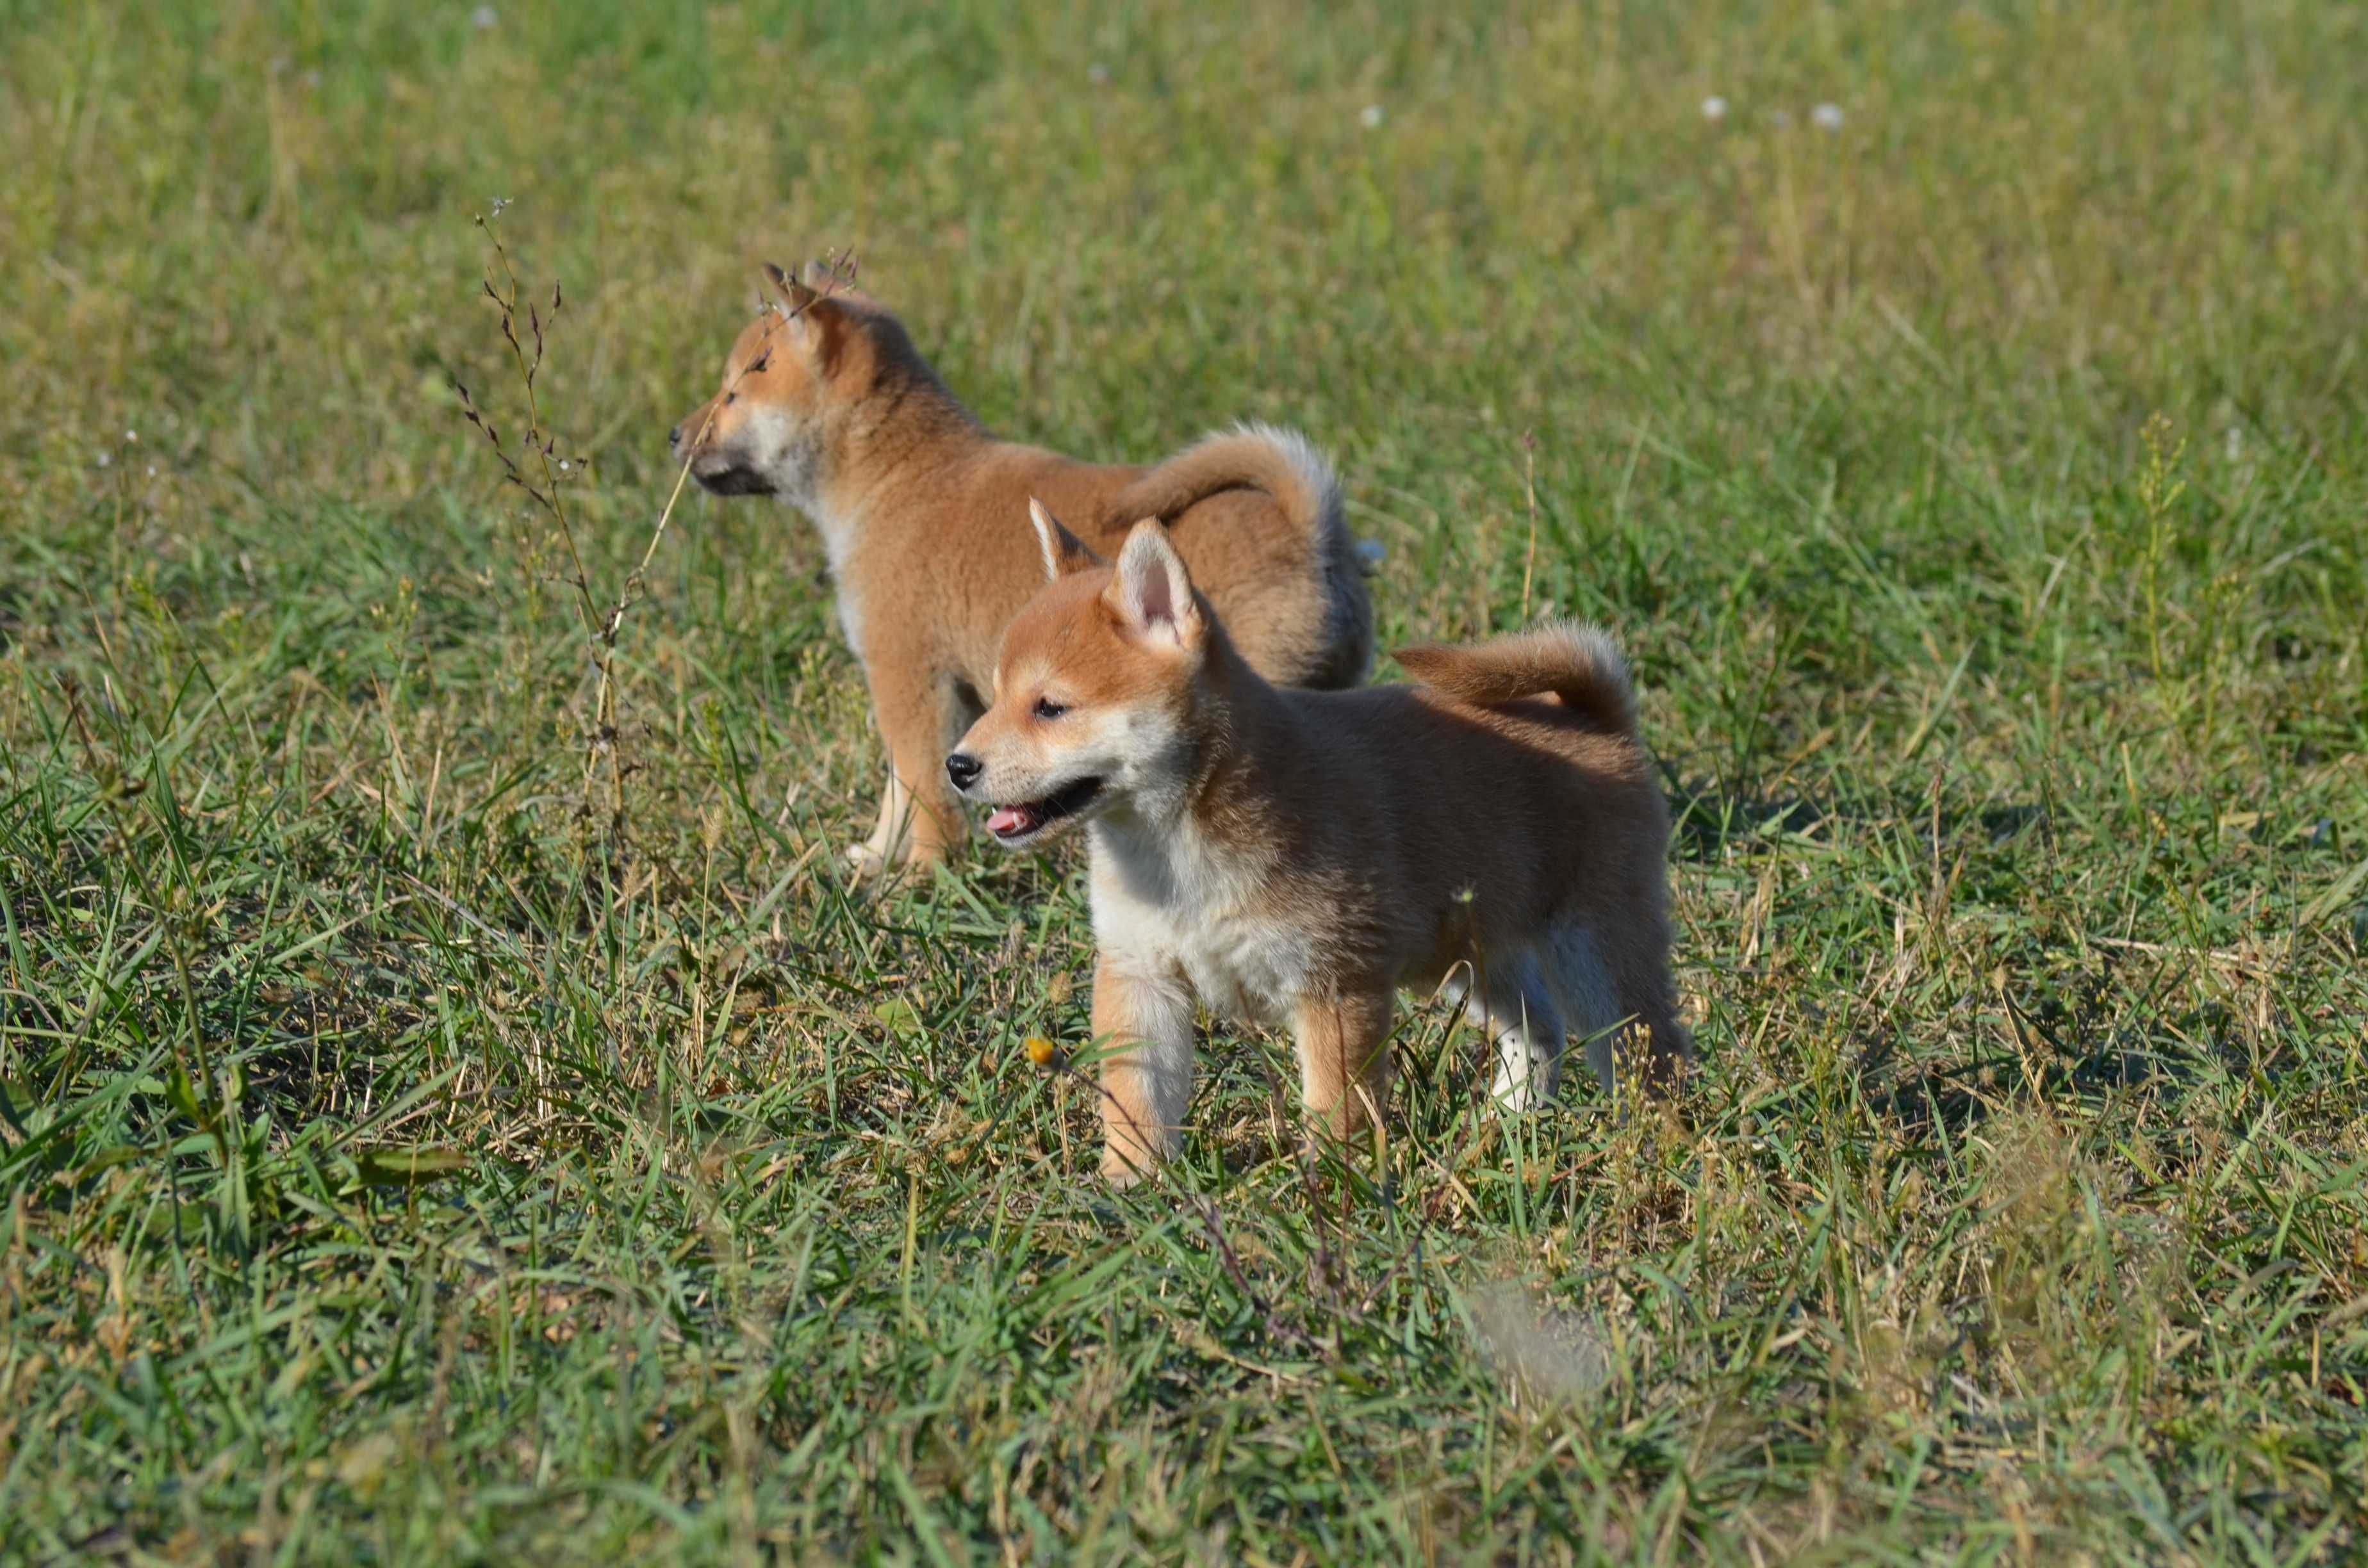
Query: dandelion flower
[1714, 108]
[1041, 1051]
[1827, 116]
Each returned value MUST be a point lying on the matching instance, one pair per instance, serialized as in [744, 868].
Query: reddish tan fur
[829, 406]
[1298, 856]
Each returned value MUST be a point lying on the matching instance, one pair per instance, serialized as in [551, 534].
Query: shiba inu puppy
[1297, 856]
[828, 405]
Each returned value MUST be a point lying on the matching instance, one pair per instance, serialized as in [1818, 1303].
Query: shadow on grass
[1709, 816]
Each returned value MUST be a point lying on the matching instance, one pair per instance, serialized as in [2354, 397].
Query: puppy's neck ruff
[1167, 862]
[1214, 769]
[1184, 871]
[899, 442]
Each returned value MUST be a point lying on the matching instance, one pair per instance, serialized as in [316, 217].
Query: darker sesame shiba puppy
[1298, 857]
[828, 405]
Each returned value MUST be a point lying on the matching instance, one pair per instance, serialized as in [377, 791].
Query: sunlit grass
[397, 1169]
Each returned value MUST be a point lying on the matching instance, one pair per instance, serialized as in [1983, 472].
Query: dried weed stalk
[538, 465]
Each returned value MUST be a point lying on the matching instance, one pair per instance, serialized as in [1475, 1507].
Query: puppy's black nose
[964, 770]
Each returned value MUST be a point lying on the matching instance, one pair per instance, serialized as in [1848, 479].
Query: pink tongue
[1010, 819]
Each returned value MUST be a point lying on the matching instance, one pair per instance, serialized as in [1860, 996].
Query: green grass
[396, 1171]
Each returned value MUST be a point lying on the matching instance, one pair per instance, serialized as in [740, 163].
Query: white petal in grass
[1372, 116]
[1827, 116]
[1714, 108]
[1548, 1356]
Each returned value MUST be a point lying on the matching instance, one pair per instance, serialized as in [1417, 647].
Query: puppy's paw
[866, 861]
[919, 855]
[1123, 1169]
[1515, 1097]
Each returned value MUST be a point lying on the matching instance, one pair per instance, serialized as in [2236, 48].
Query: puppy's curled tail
[1282, 462]
[1331, 617]
[1578, 664]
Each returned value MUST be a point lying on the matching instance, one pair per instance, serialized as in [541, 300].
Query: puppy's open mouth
[731, 481]
[1017, 824]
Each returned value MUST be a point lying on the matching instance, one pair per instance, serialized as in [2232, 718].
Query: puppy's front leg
[1146, 1023]
[919, 818]
[874, 854]
[1344, 1058]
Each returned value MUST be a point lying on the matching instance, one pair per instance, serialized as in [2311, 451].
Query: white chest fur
[838, 530]
[1174, 899]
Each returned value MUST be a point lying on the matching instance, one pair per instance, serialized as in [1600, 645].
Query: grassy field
[399, 1167]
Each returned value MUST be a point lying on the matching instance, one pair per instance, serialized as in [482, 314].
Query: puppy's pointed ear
[796, 295]
[1065, 553]
[836, 278]
[808, 320]
[1153, 593]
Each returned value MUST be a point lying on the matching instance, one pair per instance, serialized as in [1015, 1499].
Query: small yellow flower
[1042, 1052]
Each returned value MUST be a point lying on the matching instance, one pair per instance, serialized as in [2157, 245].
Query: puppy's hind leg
[1512, 1003]
[1615, 987]
[1572, 964]
[1656, 1048]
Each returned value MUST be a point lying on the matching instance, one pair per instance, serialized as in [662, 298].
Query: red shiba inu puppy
[1297, 856]
[828, 406]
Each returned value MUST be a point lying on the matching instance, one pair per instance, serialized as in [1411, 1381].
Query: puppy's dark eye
[731, 398]
[1048, 709]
